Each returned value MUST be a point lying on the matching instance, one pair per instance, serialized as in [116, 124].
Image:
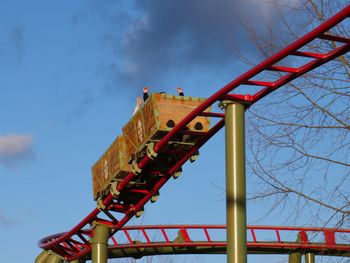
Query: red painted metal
[274, 236]
[62, 243]
[265, 239]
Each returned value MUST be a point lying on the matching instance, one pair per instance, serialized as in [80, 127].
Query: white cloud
[15, 148]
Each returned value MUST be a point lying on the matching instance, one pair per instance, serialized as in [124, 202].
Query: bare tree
[298, 137]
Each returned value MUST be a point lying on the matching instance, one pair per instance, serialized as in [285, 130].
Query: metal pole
[53, 258]
[42, 257]
[235, 183]
[295, 257]
[310, 258]
[99, 243]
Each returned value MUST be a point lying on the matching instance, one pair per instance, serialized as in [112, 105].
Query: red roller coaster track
[138, 241]
[75, 244]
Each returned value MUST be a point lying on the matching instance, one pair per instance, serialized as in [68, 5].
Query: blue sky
[69, 75]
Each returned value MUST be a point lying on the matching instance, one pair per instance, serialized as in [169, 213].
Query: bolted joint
[224, 103]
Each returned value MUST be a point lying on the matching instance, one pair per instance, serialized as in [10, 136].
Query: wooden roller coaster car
[111, 166]
[157, 116]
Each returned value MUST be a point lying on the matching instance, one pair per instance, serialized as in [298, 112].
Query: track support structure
[294, 257]
[235, 182]
[100, 243]
[310, 258]
[43, 256]
[53, 258]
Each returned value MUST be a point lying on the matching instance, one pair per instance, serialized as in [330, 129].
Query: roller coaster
[103, 233]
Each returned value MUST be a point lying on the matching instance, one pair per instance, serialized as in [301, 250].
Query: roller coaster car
[112, 165]
[159, 114]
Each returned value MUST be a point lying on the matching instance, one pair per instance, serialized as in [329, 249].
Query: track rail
[74, 244]
[283, 237]
[139, 241]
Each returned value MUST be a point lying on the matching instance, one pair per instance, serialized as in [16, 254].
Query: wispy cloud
[13, 44]
[15, 149]
[17, 41]
[82, 105]
[5, 221]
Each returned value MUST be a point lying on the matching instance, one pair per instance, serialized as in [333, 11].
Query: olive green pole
[310, 258]
[294, 257]
[99, 243]
[235, 183]
[53, 258]
[43, 256]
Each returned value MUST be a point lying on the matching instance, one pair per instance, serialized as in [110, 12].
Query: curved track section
[74, 244]
[139, 241]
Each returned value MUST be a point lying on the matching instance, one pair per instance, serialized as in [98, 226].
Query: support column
[43, 256]
[235, 183]
[53, 258]
[295, 257]
[310, 258]
[99, 243]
